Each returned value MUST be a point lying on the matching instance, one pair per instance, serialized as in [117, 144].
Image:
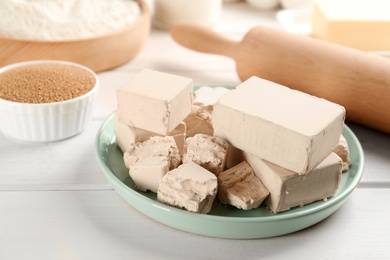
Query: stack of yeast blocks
[148, 124]
[286, 136]
[150, 129]
[146, 109]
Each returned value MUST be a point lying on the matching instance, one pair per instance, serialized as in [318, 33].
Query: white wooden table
[55, 202]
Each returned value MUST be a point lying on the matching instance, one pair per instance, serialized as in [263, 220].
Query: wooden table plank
[100, 225]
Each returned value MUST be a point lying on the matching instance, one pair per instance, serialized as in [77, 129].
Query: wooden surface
[55, 202]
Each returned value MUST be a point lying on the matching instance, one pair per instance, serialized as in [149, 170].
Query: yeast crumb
[45, 83]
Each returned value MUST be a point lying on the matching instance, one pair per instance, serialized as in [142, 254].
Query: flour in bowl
[65, 20]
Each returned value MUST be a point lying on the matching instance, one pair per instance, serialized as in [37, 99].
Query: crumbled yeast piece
[342, 150]
[208, 151]
[189, 186]
[148, 172]
[241, 188]
[199, 120]
[149, 161]
[126, 135]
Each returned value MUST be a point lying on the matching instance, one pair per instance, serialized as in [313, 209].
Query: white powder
[64, 19]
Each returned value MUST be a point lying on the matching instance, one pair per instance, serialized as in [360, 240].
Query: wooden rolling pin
[357, 80]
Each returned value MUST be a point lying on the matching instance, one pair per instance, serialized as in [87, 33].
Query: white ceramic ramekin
[47, 122]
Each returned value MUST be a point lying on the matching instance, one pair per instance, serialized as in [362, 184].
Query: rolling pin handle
[202, 39]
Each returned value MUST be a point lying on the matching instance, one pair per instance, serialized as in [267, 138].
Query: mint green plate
[223, 221]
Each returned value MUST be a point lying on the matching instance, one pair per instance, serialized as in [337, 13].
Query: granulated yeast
[45, 83]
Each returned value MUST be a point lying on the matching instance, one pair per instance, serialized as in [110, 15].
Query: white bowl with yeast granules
[45, 101]
[98, 34]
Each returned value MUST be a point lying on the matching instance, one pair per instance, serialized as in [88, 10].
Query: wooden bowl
[97, 53]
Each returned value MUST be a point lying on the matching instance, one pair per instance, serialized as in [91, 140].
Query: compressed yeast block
[360, 24]
[150, 160]
[189, 186]
[155, 101]
[241, 188]
[208, 151]
[286, 127]
[289, 189]
[126, 136]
